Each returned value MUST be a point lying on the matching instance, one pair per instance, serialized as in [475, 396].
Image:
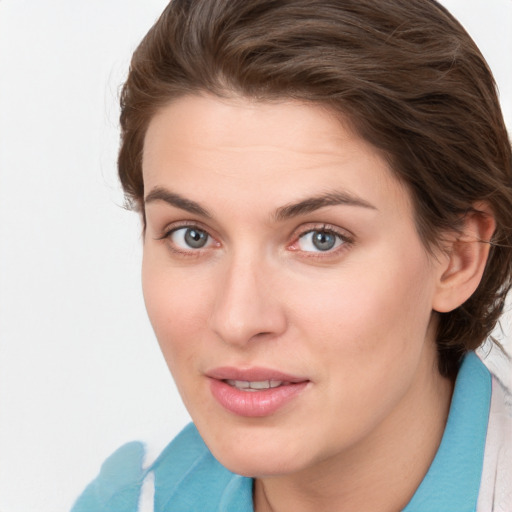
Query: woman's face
[285, 281]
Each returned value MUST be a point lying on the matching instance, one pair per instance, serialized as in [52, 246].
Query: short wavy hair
[406, 75]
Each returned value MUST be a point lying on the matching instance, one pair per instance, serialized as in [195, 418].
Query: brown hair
[404, 73]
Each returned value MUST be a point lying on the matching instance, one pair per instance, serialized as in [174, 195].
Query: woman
[325, 190]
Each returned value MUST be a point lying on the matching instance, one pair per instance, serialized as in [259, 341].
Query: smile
[255, 392]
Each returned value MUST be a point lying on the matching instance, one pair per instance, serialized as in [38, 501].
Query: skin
[356, 321]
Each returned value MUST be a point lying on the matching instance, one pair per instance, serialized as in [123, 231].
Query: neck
[391, 461]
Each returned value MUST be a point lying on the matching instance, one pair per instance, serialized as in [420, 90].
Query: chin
[256, 454]
[259, 466]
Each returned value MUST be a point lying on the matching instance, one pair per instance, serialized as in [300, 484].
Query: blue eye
[190, 238]
[319, 240]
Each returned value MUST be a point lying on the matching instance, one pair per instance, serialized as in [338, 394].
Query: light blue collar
[453, 480]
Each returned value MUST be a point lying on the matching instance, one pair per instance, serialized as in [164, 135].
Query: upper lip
[252, 374]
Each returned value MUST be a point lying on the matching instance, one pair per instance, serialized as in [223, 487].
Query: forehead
[284, 121]
[237, 145]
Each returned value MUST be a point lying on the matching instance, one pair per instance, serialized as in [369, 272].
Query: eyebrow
[162, 194]
[288, 211]
[314, 203]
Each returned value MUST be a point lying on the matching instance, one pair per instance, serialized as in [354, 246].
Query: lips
[254, 392]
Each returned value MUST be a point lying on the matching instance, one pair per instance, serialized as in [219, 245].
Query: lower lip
[254, 404]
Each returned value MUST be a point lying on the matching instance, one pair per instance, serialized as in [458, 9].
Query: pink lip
[254, 403]
[251, 374]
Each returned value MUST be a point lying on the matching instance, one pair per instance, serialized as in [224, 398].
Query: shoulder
[185, 477]
[188, 477]
[117, 486]
[496, 488]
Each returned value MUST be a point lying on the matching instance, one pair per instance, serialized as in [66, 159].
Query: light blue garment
[189, 479]
[117, 487]
[453, 480]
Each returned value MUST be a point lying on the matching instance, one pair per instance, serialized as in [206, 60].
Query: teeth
[240, 384]
[245, 385]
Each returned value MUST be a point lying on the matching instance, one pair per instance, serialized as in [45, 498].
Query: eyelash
[345, 240]
[169, 231]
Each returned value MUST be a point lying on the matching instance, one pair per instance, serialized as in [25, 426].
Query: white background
[80, 371]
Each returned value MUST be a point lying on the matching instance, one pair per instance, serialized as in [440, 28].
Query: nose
[247, 305]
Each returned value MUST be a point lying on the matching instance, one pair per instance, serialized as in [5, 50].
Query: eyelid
[346, 236]
[171, 228]
[322, 226]
[180, 224]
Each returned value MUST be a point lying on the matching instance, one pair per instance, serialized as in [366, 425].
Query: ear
[464, 259]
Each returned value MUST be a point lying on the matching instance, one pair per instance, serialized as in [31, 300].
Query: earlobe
[465, 258]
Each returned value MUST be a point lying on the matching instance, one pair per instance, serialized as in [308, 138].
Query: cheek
[373, 309]
[367, 331]
[176, 302]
